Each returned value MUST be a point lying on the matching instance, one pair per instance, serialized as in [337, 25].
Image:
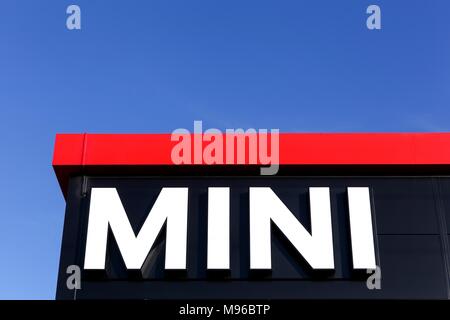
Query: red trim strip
[76, 152]
[295, 148]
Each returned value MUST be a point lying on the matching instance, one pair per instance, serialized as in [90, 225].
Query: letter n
[266, 207]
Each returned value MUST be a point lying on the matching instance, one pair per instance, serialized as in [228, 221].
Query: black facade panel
[445, 190]
[405, 206]
[409, 242]
[412, 266]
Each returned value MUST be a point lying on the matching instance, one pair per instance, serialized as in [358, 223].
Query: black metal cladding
[411, 240]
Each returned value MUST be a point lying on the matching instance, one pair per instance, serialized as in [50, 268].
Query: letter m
[106, 210]
[316, 248]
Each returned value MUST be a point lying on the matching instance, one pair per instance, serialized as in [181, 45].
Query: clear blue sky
[157, 65]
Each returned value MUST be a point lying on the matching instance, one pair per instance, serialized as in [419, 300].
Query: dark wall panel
[445, 190]
[405, 206]
[407, 228]
[412, 266]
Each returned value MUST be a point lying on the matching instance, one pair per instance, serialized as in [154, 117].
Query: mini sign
[171, 209]
[360, 216]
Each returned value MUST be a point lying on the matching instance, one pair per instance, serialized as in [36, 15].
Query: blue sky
[157, 65]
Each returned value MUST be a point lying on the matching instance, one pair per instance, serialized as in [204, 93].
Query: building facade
[358, 216]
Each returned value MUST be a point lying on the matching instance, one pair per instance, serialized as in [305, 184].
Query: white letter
[274, 158]
[361, 228]
[106, 209]
[374, 20]
[219, 228]
[74, 20]
[181, 152]
[213, 152]
[240, 136]
[316, 248]
[198, 142]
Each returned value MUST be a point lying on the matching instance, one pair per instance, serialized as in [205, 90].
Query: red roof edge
[73, 153]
